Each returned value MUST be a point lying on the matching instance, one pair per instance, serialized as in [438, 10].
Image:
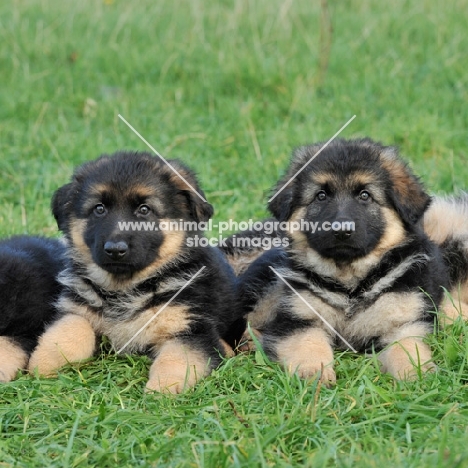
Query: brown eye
[321, 196]
[144, 210]
[100, 209]
[365, 196]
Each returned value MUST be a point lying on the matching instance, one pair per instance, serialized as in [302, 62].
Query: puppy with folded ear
[367, 278]
[136, 274]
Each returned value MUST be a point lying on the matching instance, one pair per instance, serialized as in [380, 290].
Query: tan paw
[169, 383]
[407, 358]
[71, 339]
[451, 311]
[12, 359]
[177, 368]
[407, 370]
[247, 343]
[306, 353]
[313, 369]
[226, 350]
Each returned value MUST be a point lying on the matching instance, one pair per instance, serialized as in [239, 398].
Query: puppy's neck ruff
[350, 274]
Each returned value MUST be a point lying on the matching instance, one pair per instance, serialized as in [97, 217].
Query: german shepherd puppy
[28, 289]
[367, 278]
[142, 287]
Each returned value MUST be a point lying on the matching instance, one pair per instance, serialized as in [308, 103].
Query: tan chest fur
[156, 325]
[388, 313]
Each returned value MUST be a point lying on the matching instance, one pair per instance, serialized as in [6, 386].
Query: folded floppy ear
[199, 209]
[186, 181]
[284, 198]
[60, 205]
[281, 203]
[407, 194]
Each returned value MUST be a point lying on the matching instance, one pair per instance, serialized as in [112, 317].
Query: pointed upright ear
[60, 205]
[186, 181]
[407, 194]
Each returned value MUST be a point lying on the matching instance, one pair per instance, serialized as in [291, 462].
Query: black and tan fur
[379, 286]
[118, 280]
[446, 224]
[28, 288]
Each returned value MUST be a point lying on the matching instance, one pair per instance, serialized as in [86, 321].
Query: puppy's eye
[144, 210]
[364, 195]
[100, 209]
[321, 196]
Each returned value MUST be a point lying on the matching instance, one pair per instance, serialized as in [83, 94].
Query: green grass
[230, 87]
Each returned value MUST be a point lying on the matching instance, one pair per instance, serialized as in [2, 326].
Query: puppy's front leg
[70, 339]
[178, 366]
[306, 352]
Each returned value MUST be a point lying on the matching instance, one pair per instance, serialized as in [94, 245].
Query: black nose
[342, 228]
[116, 250]
[342, 235]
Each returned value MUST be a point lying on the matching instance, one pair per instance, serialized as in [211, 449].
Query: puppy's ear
[407, 195]
[199, 209]
[281, 202]
[186, 181]
[60, 205]
[284, 197]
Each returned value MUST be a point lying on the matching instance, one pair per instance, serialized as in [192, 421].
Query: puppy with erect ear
[141, 272]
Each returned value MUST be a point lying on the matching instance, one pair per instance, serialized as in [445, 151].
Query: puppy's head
[357, 195]
[113, 210]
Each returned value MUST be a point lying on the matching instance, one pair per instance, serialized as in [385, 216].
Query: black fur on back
[28, 286]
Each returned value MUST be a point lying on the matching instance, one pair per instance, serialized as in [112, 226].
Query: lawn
[230, 87]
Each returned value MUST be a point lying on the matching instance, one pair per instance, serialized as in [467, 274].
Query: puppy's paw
[71, 339]
[450, 311]
[12, 359]
[407, 370]
[46, 361]
[169, 382]
[407, 359]
[247, 343]
[308, 353]
[313, 368]
[176, 368]
[226, 350]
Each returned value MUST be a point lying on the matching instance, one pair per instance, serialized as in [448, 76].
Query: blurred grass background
[230, 87]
